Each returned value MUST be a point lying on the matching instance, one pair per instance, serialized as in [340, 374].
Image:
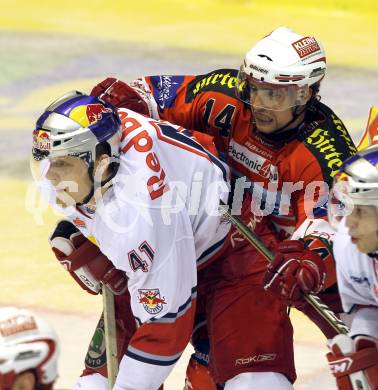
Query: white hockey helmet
[285, 61]
[356, 183]
[27, 343]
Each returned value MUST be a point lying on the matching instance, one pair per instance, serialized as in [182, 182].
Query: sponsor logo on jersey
[96, 355]
[165, 89]
[254, 162]
[262, 152]
[142, 142]
[151, 300]
[223, 81]
[17, 324]
[89, 114]
[331, 152]
[265, 357]
[41, 140]
[79, 223]
[306, 47]
[267, 200]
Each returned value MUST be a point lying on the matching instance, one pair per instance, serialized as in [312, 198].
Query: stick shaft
[313, 300]
[110, 336]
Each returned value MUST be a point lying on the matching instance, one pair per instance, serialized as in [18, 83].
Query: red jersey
[289, 173]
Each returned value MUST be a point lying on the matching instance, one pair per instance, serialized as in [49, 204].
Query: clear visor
[39, 168]
[58, 178]
[340, 205]
[268, 96]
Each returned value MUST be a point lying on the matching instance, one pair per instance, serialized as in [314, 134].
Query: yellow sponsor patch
[370, 135]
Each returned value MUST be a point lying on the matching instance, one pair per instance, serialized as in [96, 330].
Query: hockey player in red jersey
[269, 125]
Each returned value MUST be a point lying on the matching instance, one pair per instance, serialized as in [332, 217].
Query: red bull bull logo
[89, 114]
[151, 301]
[41, 140]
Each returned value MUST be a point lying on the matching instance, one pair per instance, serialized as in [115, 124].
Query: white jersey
[357, 277]
[158, 223]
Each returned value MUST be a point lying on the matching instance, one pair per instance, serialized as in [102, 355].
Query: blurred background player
[353, 212]
[270, 127]
[29, 351]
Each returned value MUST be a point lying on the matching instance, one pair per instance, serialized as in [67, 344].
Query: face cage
[339, 206]
[267, 96]
[50, 191]
[40, 162]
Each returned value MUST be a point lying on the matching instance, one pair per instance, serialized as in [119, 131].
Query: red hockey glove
[354, 362]
[294, 271]
[120, 95]
[84, 260]
[198, 377]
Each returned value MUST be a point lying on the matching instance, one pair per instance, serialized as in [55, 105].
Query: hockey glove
[84, 260]
[294, 271]
[354, 362]
[121, 95]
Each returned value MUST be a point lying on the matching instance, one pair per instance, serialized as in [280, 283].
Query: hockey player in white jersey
[148, 196]
[353, 211]
[29, 351]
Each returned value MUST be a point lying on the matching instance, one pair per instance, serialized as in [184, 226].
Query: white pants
[245, 381]
[259, 381]
[91, 382]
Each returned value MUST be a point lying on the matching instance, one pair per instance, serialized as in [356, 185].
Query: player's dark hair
[315, 97]
[104, 148]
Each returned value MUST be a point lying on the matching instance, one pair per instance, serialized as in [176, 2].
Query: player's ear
[304, 94]
[101, 167]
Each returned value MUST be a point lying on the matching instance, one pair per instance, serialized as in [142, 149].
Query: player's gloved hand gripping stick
[323, 310]
[94, 273]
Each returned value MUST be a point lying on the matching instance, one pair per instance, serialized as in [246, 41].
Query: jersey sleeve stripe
[210, 252]
[169, 134]
[171, 317]
[159, 360]
[162, 343]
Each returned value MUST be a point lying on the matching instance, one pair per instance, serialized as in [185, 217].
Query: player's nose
[52, 176]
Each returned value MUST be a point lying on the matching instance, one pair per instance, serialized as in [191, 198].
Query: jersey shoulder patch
[222, 80]
[329, 141]
[164, 89]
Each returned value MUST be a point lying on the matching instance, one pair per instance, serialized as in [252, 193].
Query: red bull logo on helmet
[41, 140]
[89, 114]
[151, 300]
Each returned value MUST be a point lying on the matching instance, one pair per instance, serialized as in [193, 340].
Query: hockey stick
[110, 332]
[322, 309]
[110, 336]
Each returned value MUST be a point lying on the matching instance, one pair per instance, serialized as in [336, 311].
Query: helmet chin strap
[96, 184]
[88, 197]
